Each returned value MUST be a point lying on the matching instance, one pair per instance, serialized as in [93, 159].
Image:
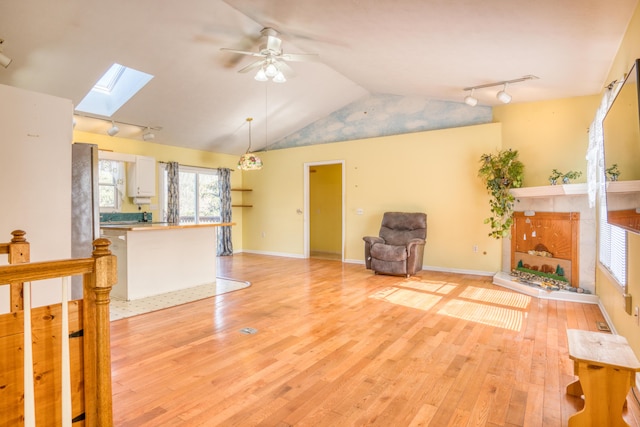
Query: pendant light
[249, 161]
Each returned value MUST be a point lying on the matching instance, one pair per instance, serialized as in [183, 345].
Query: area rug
[120, 309]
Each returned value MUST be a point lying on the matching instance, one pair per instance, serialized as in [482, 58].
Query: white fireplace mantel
[574, 189]
[550, 190]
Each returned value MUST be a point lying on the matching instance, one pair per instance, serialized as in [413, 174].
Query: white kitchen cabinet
[141, 177]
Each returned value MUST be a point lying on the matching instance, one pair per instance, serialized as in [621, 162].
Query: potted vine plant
[613, 172]
[570, 175]
[553, 178]
[501, 172]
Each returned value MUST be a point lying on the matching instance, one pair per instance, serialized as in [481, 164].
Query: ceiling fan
[272, 63]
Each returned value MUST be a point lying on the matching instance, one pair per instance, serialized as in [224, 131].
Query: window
[116, 86]
[199, 195]
[110, 184]
[613, 247]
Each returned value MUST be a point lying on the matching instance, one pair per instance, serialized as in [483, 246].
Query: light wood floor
[339, 346]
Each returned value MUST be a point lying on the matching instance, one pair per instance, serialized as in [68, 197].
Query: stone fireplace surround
[557, 198]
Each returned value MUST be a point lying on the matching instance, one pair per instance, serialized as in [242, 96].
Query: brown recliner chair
[400, 248]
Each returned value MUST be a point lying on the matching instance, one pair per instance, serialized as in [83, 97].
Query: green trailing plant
[571, 175]
[500, 173]
[553, 178]
[613, 172]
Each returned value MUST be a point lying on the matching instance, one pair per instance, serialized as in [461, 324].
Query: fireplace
[546, 244]
[555, 229]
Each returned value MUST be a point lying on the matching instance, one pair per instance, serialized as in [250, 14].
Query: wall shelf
[241, 205]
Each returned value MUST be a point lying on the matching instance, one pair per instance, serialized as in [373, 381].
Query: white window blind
[613, 247]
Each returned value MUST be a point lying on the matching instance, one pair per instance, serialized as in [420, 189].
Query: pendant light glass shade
[249, 161]
[261, 76]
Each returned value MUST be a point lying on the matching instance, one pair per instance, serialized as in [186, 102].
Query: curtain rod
[201, 167]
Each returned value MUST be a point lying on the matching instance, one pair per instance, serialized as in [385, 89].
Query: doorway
[324, 210]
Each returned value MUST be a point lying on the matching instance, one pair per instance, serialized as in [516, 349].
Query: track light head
[470, 100]
[148, 135]
[503, 96]
[113, 130]
[4, 60]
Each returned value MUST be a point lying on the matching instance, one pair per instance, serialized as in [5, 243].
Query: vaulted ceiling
[367, 49]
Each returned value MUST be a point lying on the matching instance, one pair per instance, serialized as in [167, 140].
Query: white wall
[35, 177]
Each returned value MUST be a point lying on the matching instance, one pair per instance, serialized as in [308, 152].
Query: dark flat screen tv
[621, 129]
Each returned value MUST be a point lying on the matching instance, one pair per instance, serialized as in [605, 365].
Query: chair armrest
[373, 239]
[369, 241]
[414, 242]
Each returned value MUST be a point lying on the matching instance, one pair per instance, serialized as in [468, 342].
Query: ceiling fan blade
[300, 57]
[251, 66]
[241, 52]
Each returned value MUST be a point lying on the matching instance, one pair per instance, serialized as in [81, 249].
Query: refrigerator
[85, 208]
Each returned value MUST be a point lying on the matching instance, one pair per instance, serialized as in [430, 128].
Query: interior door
[325, 211]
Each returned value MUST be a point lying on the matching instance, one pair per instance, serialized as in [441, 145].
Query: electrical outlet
[475, 248]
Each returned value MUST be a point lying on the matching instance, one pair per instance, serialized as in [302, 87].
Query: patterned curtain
[173, 192]
[225, 247]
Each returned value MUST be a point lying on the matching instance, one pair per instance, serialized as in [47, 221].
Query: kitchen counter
[156, 258]
[137, 226]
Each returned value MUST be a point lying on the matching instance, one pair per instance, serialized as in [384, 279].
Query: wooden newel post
[19, 253]
[97, 341]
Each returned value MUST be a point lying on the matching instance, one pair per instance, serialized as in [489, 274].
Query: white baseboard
[458, 270]
[280, 254]
[607, 318]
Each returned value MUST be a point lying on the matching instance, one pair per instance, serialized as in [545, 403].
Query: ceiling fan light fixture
[503, 96]
[279, 78]
[271, 70]
[249, 161]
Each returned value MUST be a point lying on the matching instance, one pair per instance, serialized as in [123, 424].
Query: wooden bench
[606, 368]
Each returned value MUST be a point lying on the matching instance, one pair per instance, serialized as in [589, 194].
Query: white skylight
[113, 90]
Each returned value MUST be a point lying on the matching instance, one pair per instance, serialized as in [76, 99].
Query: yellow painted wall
[433, 172]
[325, 208]
[166, 153]
[606, 288]
[549, 135]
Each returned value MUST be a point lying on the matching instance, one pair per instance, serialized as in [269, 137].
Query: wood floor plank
[339, 346]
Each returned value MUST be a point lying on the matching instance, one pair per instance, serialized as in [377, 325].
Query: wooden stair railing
[18, 251]
[99, 275]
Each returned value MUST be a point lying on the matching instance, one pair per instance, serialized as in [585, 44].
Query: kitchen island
[155, 258]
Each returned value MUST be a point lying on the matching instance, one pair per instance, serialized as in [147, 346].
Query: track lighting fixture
[113, 130]
[4, 60]
[148, 133]
[502, 95]
[249, 161]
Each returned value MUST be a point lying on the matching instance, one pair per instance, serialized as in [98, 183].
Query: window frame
[118, 185]
[163, 199]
